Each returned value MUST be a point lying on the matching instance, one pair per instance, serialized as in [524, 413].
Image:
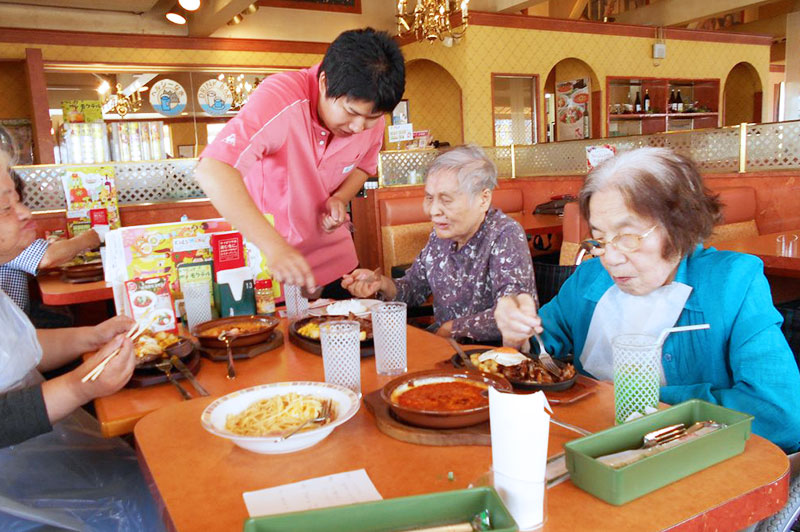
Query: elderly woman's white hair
[475, 172]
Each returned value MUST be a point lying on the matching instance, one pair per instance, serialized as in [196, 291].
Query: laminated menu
[88, 188]
[150, 302]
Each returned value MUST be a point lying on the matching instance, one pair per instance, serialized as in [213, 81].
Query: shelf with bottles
[653, 103]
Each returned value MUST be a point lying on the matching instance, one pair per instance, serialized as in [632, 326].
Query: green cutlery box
[402, 513]
[618, 486]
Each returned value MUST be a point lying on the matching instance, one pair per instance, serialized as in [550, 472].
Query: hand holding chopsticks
[133, 333]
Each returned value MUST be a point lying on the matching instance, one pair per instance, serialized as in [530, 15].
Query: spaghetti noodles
[274, 415]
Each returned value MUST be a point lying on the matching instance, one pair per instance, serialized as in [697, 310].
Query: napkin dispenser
[234, 292]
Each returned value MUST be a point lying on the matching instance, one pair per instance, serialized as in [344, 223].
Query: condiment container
[265, 300]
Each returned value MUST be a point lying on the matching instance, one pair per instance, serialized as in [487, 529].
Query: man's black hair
[365, 65]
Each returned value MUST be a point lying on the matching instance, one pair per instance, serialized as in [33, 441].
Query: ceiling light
[249, 10]
[235, 20]
[176, 15]
[104, 87]
[189, 5]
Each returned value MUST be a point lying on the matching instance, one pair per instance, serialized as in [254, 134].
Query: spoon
[228, 337]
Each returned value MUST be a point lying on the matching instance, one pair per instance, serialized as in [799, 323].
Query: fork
[324, 414]
[166, 366]
[547, 360]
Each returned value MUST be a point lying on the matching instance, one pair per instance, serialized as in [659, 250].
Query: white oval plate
[346, 404]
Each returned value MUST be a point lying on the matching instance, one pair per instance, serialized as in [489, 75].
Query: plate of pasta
[256, 417]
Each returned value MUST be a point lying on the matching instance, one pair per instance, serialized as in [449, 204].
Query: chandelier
[430, 19]
[119, 103]
[240, 89]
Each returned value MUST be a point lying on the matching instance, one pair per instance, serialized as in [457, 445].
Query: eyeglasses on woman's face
[625, 242]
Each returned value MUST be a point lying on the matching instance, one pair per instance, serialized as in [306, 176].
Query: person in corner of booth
[41, 254]
[301, 149]
[57, 467]
[475, 253]
[649, 213]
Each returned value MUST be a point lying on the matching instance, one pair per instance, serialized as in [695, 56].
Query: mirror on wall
[144, 112]
[514, 109]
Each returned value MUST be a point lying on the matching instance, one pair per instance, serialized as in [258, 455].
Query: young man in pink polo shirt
[300, 149]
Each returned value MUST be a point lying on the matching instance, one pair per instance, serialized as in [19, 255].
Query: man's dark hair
[365, 65]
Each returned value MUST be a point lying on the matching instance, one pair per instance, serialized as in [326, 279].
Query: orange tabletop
[57, 292]
[198, 478]
[779, 258]
[535, 224]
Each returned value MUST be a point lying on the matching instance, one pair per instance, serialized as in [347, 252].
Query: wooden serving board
[314, 346]
[391, 426]
[274, 341]
[152, 376]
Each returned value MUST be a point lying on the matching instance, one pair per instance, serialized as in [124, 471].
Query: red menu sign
[228, 251]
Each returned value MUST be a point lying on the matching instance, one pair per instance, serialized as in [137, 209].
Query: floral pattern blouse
[466, 283]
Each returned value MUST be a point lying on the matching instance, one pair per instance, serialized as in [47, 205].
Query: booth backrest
[738, 221]
[405, 228]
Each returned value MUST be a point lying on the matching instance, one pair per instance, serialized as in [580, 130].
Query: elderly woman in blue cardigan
[649, 213]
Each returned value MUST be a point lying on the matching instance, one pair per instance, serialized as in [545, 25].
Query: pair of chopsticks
[133, 334]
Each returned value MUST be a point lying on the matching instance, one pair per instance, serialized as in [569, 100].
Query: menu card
[86, 189]
[149, 299]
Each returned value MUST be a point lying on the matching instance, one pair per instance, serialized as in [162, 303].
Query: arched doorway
[572, 98]
[434, 101]
[742, 95]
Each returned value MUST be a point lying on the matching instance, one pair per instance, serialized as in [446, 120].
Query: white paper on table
[520, 426]
[322, 492]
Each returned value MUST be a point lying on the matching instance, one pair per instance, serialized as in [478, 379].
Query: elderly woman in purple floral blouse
[475, 254]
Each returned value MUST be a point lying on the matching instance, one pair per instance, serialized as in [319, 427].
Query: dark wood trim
[758, 100]
[479, 18]
[776, 101]
[311, 6]
[96, 66]
[596, 114]
[124, 40]
[40, 116]
[777, 68]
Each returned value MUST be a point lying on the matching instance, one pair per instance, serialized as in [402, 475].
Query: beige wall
[487, 49]
[740, 88]
[434, 101]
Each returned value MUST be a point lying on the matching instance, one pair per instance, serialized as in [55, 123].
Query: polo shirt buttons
[668, 357]
[321, 142]
[323, 133]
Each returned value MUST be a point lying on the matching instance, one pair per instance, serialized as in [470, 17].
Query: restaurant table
[198, 479]
[779, 260]
[538, 224]
[55, 291]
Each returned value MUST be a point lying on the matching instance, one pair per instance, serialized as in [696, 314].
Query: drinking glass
[786, 245]
[341, 353]
[389, 333]
[636, 374]
[296, 304]
[525, 499]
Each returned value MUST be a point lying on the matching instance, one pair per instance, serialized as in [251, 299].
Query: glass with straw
[637, 372]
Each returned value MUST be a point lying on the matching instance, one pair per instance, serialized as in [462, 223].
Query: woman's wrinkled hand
[116, 373]
[517, 319]
[362, 282]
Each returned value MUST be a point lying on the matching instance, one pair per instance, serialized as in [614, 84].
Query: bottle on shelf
[637, 105]
[671, 106]
[678, 102]
[646, 100]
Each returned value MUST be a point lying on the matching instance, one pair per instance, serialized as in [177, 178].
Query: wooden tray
[314, 346]
[150, 377]
[392, 427]
[274, 341]
[82, 273]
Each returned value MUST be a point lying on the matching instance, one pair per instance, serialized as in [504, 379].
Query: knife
[180, 366]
